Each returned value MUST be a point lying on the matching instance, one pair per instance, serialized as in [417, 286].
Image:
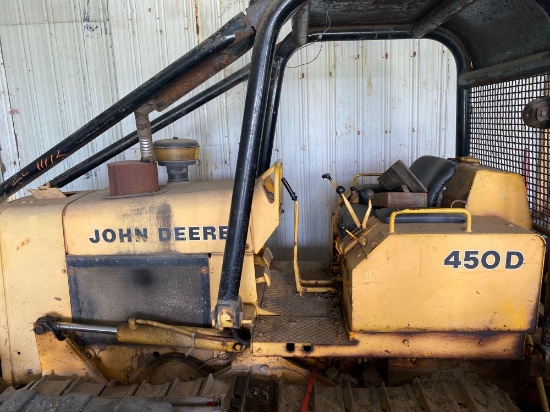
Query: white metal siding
[58, 63]
[346, 107]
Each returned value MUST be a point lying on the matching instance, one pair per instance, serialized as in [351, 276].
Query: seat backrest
[434, 173]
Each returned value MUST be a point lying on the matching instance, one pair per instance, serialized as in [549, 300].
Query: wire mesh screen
[500, 138]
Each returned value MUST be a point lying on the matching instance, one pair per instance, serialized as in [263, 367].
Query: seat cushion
[385, 213]
[434, 173]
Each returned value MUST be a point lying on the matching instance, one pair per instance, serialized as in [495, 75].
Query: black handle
[289, 190]
[340, 190]
[326, 176]
[369, 194]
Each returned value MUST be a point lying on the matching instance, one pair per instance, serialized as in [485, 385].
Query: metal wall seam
[9, 157]
[47, 69]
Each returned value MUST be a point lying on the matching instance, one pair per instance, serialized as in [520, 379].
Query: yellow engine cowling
[39, 236]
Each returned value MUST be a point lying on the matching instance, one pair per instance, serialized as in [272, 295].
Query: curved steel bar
[285, 50]
[403, 31]
[288, 47]
[247, 163]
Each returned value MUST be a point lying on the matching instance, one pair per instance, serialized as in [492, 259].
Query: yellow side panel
[266, 205]
[33, 276]
[181, 218]
[247, 290]
[500, 194]
[93, 226]
[404, 285]
[486, 191]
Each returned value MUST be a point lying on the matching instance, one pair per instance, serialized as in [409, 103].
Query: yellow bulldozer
[143, 296]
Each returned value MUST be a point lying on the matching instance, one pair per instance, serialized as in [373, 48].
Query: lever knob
[369, 194]
[342, 228]
[326, 176]
[340, 190]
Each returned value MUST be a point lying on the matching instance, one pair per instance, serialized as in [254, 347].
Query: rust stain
[2, 168]
[197, 26]
[188, 83]
[16, 143]
[58, 299]
[24, 243]
[13, 111]
[142, 359]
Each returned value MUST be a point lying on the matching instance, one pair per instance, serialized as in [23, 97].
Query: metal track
[246, 393]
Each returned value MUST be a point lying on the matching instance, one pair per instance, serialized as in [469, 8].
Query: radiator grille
[111, 289]
[500, 138]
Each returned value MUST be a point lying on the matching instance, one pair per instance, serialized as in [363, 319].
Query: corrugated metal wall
[346, 107]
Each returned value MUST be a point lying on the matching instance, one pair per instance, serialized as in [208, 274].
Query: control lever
[369, 194]
[344, 228]
[327, 176]
[341, 192]
[293, 196]
[319, 286]
[361, 239]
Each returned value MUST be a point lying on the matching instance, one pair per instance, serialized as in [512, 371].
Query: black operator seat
[433, 172]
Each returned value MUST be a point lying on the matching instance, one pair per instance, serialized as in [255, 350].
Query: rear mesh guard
[500, 138]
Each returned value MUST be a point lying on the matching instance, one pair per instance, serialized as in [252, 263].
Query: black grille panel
[110, 289]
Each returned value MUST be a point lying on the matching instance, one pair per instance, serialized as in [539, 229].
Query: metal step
[242, 393]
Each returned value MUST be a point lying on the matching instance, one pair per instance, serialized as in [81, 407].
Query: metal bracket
[228, 314]
[62, 356]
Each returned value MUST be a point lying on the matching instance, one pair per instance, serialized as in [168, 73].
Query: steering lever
[369, 194]
[342, 193]
[327, 176]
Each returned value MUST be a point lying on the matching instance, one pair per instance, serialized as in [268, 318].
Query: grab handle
[430, 211]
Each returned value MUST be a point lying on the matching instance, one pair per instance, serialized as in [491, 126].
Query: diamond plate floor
[300, 318]
[281, 298]
[301, 329]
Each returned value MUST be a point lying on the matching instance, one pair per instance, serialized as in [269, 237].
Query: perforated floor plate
[282, 297]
